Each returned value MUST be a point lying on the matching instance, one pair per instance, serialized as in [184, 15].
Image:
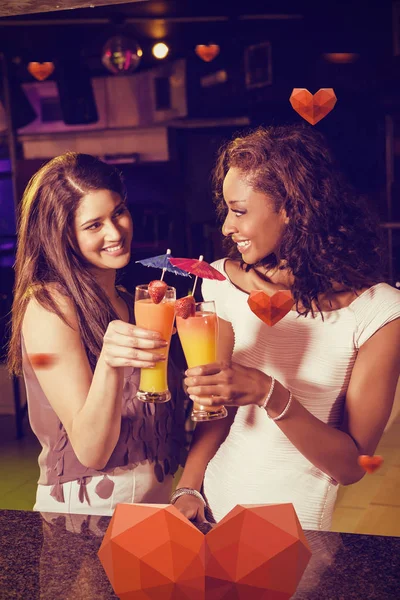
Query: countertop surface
[48, 556]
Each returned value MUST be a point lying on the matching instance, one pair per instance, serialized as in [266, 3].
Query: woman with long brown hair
[310, 394]
[75, 343]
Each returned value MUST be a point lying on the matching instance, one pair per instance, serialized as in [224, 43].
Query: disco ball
[121, 55]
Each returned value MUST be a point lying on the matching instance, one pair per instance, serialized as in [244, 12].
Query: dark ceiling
[24, 7]
[300, 32]
[162, 18]
[296, 29]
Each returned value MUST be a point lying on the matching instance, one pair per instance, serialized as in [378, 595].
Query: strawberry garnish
[157, 289]
[185, 307]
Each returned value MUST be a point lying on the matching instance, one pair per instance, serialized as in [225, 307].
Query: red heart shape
[313, 108]
[256, 551]
[270, 309]
[207, 52]
[41, 71]
[370, 464]
[42, 361]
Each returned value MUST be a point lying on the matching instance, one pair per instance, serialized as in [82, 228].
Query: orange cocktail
[199, 335]
[153, 385]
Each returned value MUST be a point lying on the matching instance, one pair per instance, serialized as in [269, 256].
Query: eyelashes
[119, 212]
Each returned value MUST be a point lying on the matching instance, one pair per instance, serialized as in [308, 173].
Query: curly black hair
[332, 235]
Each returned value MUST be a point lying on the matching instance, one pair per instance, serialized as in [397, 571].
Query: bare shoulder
[43, 327]
[387, 338]
[63, 302]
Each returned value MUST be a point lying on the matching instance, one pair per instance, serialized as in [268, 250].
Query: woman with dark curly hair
[309, 395]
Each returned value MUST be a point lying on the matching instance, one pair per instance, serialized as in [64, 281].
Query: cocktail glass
[198, 335]
[153, 385]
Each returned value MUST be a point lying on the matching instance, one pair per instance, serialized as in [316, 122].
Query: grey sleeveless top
[148, 431]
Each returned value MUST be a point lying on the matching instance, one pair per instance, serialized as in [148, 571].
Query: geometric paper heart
[370, 463]
[40, 71]
[207, 52]
[256, 551]
[313, 108]
[270, 309]
[152, 551]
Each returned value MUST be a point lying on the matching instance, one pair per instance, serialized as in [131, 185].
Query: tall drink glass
[153, 385]
[199, 335]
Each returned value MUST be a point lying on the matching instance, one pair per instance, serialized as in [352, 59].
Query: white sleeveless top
[257, 464]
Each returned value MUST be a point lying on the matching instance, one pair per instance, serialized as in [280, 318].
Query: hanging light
[40, 70]
[121, 55]
[160, 50]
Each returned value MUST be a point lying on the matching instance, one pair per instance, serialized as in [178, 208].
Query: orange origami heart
[313, 108]
[41, 71]
[152, 552]
[256, 552]
[270, 309]
[207, 52]
[370, 464]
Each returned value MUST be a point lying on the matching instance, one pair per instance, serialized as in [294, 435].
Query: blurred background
[156, 86]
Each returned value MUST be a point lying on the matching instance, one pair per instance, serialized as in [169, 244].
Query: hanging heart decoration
[370, 464]
[270, 309]
[315, 107]
[41, 70]
[207, 52]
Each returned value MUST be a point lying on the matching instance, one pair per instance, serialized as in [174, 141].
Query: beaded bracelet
[271, 391]
[283, 413]
[268, 398]
[181, 491]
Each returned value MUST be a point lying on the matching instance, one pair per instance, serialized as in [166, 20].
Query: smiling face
[103, 229]
[251, 221]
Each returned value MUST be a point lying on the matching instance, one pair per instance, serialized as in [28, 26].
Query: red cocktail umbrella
[198, 267]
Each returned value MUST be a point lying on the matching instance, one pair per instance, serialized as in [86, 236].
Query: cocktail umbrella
[163, 262]
[198, 267]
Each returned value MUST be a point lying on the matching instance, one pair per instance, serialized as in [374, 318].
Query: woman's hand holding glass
[126, 345]
[227, 384]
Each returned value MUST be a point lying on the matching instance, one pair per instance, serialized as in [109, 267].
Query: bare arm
[88, 404]
[369, 401]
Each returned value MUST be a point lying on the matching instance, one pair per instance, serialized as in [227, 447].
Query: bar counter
[50, 556]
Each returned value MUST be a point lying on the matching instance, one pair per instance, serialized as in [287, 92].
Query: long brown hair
[332, 234]
[47, 252]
